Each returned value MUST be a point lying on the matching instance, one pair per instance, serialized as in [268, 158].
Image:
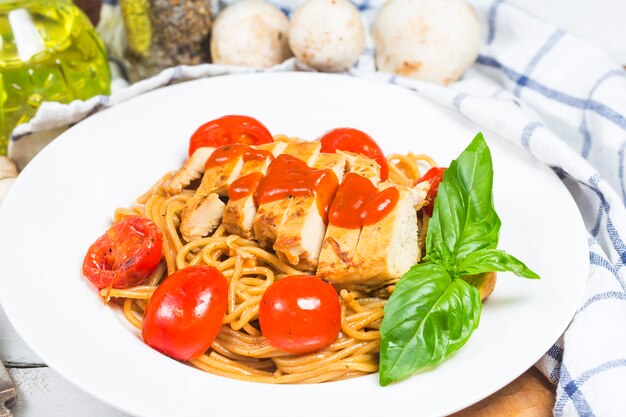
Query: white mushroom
[431, 40]
[7, 168]
[327, 34]
[250, 33]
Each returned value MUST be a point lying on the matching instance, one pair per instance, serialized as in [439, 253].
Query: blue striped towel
[560, 98]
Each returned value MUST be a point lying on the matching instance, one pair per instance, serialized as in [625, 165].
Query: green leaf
[464, 219]
[427, 318]
[431, 312]
[489, 260]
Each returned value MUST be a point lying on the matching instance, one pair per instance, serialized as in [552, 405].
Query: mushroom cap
[431, 40]
[327, 35]
[250, 33]
[8, 169]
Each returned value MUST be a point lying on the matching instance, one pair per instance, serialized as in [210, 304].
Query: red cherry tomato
[434, 177]
[125, 255]
[355, 141]
[300, 314]
[230, 129]
[185, 313]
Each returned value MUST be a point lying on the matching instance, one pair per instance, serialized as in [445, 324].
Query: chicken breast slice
[191, 170]
[200, 213]
[384, 251]
[388, 248]
[362, 165]
[340, 243]
[276, 148]
[201, 216]
[299, 238]
[304, 151]
[420, 192]
[270, 216]
[336, 162]
[336, 247]
[239, 214]
[337, 252]
[217, 178]
[203, 213]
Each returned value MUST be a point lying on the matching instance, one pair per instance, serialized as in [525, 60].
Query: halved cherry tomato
[125, 255]
[300, 313]
[355, 141]
[230, 129]
[185, 313]
[434, 177]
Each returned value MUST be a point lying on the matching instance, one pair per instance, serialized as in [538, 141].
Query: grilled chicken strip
[362, 165]
[191, 170]
[383, 252]
[270, 216]
[339, 244]
[420, 191]
[201, 216]
[217, 178]
[387, 248]
[205, 210]
[239, 214]
[203, 213]
[299, 238]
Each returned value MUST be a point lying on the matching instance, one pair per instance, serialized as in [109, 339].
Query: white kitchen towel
[559, 98]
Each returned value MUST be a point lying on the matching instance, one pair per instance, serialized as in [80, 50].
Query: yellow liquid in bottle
[49, 51]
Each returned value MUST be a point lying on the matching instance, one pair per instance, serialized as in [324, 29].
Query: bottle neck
[33, 29]
[8, 5]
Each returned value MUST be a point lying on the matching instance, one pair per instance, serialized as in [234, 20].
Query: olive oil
[49, 51]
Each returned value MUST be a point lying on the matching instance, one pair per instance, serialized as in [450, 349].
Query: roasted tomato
[434, 177]
[185, 313]
[300, 314]
[355, 141]
[125, 255]
[230, 129]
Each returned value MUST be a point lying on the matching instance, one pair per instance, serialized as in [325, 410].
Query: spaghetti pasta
[240, 351]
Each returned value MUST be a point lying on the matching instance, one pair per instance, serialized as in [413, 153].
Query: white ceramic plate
[65, 198]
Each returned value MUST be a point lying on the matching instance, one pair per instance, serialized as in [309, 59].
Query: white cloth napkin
[559, 98]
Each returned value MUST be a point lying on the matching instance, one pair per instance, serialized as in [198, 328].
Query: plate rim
[56, 143]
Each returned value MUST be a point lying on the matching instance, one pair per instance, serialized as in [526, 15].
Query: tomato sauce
[358, 203]
[228, 153]
[290, 177]
[257, 155]
[244, 186]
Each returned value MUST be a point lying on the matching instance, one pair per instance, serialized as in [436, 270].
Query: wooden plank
[42, 392]
[529, 395]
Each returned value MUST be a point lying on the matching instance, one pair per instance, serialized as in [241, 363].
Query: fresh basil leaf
[489, 260]
[431, 312]
[464, 219]
[427, 318]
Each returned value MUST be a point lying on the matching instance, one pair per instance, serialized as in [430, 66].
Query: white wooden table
[42, 392]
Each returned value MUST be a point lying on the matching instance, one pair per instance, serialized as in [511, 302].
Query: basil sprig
[433, 310]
